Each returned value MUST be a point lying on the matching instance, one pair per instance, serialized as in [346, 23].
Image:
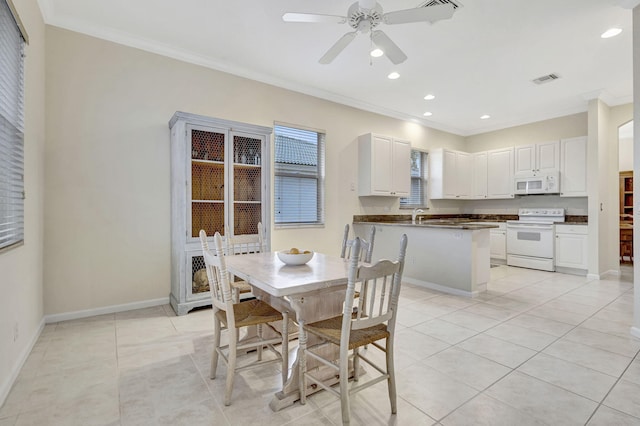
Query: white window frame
[282, 170]
[12, 46]
[420, 179]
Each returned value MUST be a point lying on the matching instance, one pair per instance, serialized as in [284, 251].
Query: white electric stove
[531, 239]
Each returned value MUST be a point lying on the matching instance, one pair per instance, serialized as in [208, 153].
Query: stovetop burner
[541, 215]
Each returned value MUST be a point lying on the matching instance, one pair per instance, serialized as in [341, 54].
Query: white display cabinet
[219, 180]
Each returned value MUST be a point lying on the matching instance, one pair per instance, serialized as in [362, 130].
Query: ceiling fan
[364, 16]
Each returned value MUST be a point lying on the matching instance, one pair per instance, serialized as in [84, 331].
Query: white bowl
[295, 259]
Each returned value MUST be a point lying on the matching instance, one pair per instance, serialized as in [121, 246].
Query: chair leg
[259, 348]
[356, 364]
[391, 380]
[285, 347]
[302, 351]
[216, 344]
[231, 366]
[344, 386]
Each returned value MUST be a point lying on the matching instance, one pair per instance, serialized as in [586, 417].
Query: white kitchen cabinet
[480, 173]
[537, 158]
[571, 246]
[500, 173]
[573, 167]
[450, 174]
[384, 166]
[498, 242]
[219, 180]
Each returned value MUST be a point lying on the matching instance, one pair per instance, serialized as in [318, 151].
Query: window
[11, 130]
[299, 176]
[419, 173]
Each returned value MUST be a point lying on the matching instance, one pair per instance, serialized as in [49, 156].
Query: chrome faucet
[415, 213]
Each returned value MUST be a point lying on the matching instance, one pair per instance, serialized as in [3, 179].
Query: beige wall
[21, 268]
[107, 166]
[542, 131]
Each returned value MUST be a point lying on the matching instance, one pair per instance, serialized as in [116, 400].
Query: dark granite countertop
[460, 219]
[436, 223]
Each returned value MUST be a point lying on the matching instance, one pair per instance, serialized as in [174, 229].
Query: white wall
[635, 330]
[21, 268]
[625, 154]
[107, 167]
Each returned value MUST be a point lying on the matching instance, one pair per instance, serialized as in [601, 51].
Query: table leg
[310, 309]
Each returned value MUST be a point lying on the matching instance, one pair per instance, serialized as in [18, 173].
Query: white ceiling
[479, 62]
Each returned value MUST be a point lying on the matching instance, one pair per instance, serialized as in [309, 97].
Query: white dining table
[309, 293]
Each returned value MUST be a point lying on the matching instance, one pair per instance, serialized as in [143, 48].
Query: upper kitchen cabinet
[450, 174]
[384, 166]
[538, 158]
[480, 173]
[573, 167]
[500, 173]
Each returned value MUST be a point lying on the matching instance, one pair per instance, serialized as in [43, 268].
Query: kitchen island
[445, 255]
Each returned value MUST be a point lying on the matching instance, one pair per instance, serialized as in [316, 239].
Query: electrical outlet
[15, 332]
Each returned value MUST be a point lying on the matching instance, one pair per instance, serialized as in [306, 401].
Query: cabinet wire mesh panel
[219, 180]
[247, 184]
[207, 182]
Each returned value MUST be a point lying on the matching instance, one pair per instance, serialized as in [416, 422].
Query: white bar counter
[444, 255]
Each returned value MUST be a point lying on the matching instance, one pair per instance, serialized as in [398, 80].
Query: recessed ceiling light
[393, 75]
[611, 32]
[484, 117]
[376, 53]
[428, 114]
[429, 97]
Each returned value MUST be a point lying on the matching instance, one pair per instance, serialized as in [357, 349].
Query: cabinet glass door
[247, 183]
[207, 181]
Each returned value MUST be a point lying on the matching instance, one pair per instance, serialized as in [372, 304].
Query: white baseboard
[445, 289]
[593, 276]
[66, 316]
[5, 388]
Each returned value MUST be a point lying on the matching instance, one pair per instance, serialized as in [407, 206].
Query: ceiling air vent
[546, 78]
[455, 4]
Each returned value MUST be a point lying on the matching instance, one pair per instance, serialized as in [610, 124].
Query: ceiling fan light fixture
[376, 53]
[611, 32]
[393, 76]
[429, 97]
[485, 117]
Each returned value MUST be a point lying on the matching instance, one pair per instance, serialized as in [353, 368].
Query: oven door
[529, 239]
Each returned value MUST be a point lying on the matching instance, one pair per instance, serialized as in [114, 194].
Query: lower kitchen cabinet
[498, 242]
[571, 247]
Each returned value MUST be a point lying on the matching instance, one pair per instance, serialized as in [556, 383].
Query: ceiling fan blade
[313, 18]
[390, 49]
[338, 47]
[419, 14]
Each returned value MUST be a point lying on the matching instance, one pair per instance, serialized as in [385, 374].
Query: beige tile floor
[537, 348]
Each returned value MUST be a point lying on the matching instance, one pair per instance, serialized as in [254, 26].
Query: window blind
[11, 130]
[299, 176]
[417, 197]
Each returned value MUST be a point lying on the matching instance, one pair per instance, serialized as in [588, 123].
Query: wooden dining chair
[235, 315]
[366, 246]
[243, 244]
[350, 331]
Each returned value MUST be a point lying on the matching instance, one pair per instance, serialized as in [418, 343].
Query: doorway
[625, 170]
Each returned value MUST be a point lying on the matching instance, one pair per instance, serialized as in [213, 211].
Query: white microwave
[545, 183]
